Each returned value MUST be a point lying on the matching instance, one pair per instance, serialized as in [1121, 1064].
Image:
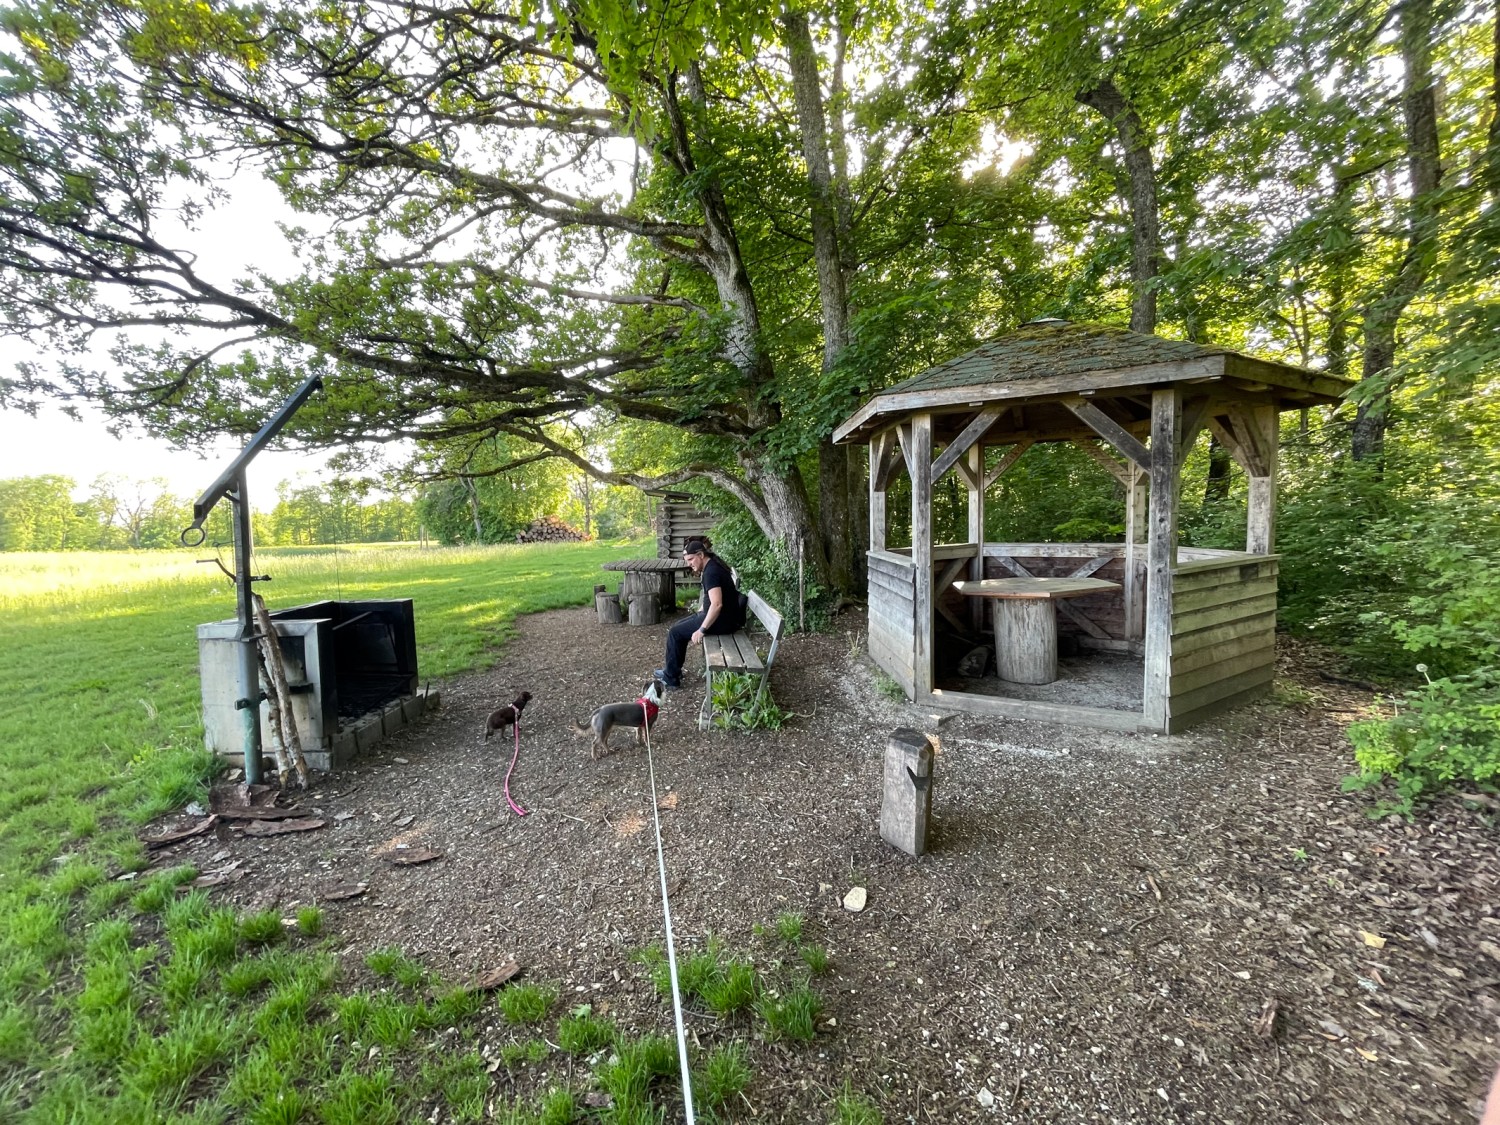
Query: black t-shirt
[730, 618]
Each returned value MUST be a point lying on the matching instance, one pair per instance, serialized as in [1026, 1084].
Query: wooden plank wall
[893, 617]
[1223, 637]
[675, 522]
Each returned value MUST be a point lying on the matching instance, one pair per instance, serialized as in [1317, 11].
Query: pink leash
[516, 726]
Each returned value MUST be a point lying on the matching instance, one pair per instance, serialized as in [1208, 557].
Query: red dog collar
[651, 708]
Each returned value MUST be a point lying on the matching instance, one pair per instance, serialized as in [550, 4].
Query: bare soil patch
[1109, 927]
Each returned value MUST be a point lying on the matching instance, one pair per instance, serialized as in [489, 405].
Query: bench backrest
[769, 619]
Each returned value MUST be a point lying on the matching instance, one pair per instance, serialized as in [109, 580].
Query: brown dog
[503, 718]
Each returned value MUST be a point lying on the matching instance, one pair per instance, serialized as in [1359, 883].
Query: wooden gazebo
[1198, 625]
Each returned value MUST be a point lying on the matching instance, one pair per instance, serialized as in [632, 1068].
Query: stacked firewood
[549, 529]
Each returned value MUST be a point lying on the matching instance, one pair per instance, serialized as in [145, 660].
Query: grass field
[125, 998]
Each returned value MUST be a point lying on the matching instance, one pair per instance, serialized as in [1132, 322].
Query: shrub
[1450, 732]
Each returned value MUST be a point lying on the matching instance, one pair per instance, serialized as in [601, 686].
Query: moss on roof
[1046, 348]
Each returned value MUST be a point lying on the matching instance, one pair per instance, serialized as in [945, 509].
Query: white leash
[666, 909]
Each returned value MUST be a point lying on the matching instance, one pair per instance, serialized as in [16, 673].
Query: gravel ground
[1108, 927]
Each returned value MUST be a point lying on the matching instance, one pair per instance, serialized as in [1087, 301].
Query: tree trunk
[840, 538]
[1216, 487]
[1425, 172]
[472, 490]
[1491, 167]
[1145, 222]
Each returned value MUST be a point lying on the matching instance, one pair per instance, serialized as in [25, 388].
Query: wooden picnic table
[649, 576]
[1026, 621]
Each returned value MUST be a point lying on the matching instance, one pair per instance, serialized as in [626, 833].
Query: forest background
[673, 244]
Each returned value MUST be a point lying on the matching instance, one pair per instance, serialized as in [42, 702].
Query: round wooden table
[657, 576]
[1026, 621]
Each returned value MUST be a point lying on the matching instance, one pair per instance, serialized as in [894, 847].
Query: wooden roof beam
[971, 433]
[1110, 430]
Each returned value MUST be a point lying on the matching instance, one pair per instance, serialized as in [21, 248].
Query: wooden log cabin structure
[677, 519]
[1196, 625]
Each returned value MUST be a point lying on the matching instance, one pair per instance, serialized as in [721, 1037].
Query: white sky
[235, 235]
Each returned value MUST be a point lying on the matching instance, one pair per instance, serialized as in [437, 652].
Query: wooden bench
[735, 652]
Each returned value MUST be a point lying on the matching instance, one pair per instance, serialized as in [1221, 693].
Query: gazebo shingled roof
[1048, 359]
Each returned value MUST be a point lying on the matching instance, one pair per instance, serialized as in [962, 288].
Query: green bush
[1449, 733]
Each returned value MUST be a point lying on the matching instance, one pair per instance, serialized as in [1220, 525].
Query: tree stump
[636, 585]
[1026, 640]
[608, 607]
[645, 609]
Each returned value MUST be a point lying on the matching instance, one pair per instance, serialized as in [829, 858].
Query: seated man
[721, 611]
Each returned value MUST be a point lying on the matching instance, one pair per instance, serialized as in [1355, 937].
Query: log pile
[549, 529]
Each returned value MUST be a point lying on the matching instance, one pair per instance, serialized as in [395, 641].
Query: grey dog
[638, 714]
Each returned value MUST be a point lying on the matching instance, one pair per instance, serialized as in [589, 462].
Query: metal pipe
[249, 700]
[228, 478]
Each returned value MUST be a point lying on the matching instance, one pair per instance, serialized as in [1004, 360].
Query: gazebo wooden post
[1136, 536]
[1260, 525]
[877, 496]
[1161, 553]
[974, 460]
[920, 466]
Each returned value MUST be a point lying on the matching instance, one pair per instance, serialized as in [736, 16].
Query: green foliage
[790, 1015]
[789, 927]
[264, 928]
[526, 1051]
[723, 1074]
[854, 1108]
[582, 1033]
[888, 688]
[310, 920]
[815, 957]
[738, 703]
[1447, 733]
[526, 1003]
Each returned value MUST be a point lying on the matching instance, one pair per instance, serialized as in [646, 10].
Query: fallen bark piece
[1265, 1023]
[257, 812]
[231, 874]
[410, 857]
[494, 978]
[344, 891]
[282, 827]
[154, 842]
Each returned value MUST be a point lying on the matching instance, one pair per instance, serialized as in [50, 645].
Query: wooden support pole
[920, 464]
[1136, 535]
[975, 461]
[877, 496]
[1260, 526]
[1161, 554]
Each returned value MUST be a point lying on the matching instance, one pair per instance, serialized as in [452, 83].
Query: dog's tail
[580, 730]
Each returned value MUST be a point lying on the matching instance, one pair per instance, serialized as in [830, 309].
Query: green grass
[526, 1003]
[126, 995]
[130, 998]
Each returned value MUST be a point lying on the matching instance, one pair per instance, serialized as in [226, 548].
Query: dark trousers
[678, 638]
